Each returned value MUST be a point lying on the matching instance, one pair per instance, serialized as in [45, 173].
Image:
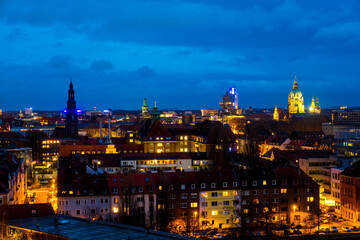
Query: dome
[296, 92]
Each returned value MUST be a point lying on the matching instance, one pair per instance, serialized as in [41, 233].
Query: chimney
[95, 164]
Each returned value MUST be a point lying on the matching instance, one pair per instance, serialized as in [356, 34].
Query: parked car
[259, 234]
[325, 230]
[346, 229]
[340, 219]
[355, 229]
[325, 220]
[334, 229]
[297, 231]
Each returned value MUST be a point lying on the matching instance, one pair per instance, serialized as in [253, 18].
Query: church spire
[295, 84]
[71, 122]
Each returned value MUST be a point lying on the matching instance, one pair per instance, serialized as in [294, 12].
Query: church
[295, 100]
[296, 104]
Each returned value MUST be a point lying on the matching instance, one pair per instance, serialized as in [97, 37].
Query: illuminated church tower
[71, 122]
[145, 109]
[276, 116]
[295, 100]
[315, 108]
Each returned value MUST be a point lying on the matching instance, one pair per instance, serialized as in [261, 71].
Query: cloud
[58, 62]
[101, 65]
[195, 48]
[342, 31]
[247, 60]
[145, 71]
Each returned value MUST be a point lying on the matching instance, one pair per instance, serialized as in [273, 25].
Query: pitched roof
[157, 131]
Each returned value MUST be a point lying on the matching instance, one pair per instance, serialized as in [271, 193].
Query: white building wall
[85, 206]
[335, 188]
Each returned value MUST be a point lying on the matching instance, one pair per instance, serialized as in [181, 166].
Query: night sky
[183, 54]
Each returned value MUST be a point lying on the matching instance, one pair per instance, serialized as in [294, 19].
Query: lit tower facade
[145, 109]
[230, 100]
[315, 107]
[296, 100]
[71, 123]
[276, 116]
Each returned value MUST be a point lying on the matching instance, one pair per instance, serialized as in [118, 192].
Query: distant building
[155, 113]
[295, 100]
[345, 117]
[145, 109]
[230, 100]
[71, 123]
[315, 107]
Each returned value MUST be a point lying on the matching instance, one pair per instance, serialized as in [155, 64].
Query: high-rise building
[230, 100]
[295, 100]
[145, 109]
[71, 123]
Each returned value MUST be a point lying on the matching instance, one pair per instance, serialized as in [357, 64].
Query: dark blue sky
[183, 54]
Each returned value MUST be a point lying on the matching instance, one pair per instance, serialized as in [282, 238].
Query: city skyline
[118, 53]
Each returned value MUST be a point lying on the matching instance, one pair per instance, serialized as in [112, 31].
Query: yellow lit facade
[186, 143]
[217, 208]
[295, 100]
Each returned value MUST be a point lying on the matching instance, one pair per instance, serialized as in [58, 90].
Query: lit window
[225, 194]
[283, 190]
[214, 213]
[185, 138]
[264, 182]
[115, 210]
[160, 187]
[310, 199]
[194, 204]
[205, 195]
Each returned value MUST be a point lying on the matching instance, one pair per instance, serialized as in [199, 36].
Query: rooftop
[75, 228]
